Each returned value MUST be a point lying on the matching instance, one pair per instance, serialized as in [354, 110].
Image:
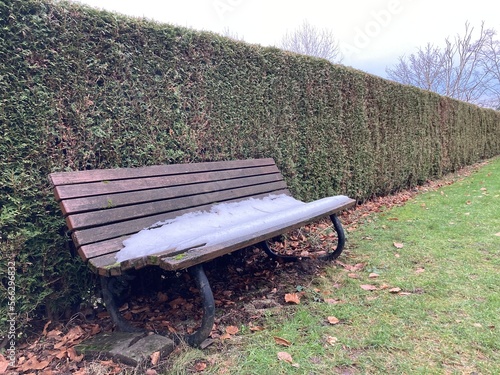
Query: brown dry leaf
[331, 301]
[225, 336]
[373, 275]
[292, 298]
[256, 328]
[332, 340]
[282, 341]
[284, 356]
[200, 366]
[73, 356]
[232, 330]
[368, 287]
[353, 275]
[333, 320]
[53, 333]
[162, 297]
[155, 358]
[44, 332]
[395, 290]
[398, 245]
[3, 364]
[33, 364]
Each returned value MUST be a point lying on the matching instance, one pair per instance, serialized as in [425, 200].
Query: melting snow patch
[223, 221]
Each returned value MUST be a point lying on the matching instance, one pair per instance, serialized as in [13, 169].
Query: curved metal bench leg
[330, 256]
[337, 225]
[287, 258]
[207, 300]
[109, 300]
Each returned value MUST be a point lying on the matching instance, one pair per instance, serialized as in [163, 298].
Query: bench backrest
[104, 207]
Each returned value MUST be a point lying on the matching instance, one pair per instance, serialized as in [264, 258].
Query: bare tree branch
[308, 40]
[465, 69]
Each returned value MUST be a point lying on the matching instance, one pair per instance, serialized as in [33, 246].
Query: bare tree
[309, 40]
[463, 69]
[490, 60]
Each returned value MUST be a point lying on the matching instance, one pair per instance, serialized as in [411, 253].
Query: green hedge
[84, 89]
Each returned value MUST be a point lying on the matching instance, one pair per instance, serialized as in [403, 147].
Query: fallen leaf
[398, 245]
[292, 298]
[3, 364]
[420, 270]
[33, 364]
[162, 297]
[284, 356]
[368, 287]
[497, 234]
[200, 366]
[44, 332]
[155, 358]
[373, 275]
[332, 340]
[73, 356]
[225, 336]
[333, 320]
[353, 275]
[395, 290]
[282, 341]
[256, 328]
[331, 301]
[232, 330]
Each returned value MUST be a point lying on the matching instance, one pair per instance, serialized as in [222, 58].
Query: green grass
[445, 320]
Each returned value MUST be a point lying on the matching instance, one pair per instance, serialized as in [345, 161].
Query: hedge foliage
[85, 89]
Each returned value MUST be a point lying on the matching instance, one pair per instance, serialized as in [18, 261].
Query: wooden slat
[133, 184]
[88, 240]
[78, 205]
[113, 215]
[97, 175]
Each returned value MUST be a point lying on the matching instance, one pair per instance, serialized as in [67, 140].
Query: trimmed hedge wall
[84, 89]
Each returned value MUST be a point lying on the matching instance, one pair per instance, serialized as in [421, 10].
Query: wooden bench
[103, 208]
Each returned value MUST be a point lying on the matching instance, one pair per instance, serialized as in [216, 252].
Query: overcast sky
[372, 33]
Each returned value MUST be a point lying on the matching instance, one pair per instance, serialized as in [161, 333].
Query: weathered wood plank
[97, 175]
[78, 205]
[105, 186]
[113, 215]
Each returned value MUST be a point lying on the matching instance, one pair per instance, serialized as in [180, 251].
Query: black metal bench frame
[104, 207]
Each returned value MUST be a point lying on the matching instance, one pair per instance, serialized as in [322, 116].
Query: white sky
[371, 33]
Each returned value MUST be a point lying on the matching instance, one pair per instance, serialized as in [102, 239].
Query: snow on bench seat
[204, 235]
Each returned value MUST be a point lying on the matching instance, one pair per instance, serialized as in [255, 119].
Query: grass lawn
[417, 291]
